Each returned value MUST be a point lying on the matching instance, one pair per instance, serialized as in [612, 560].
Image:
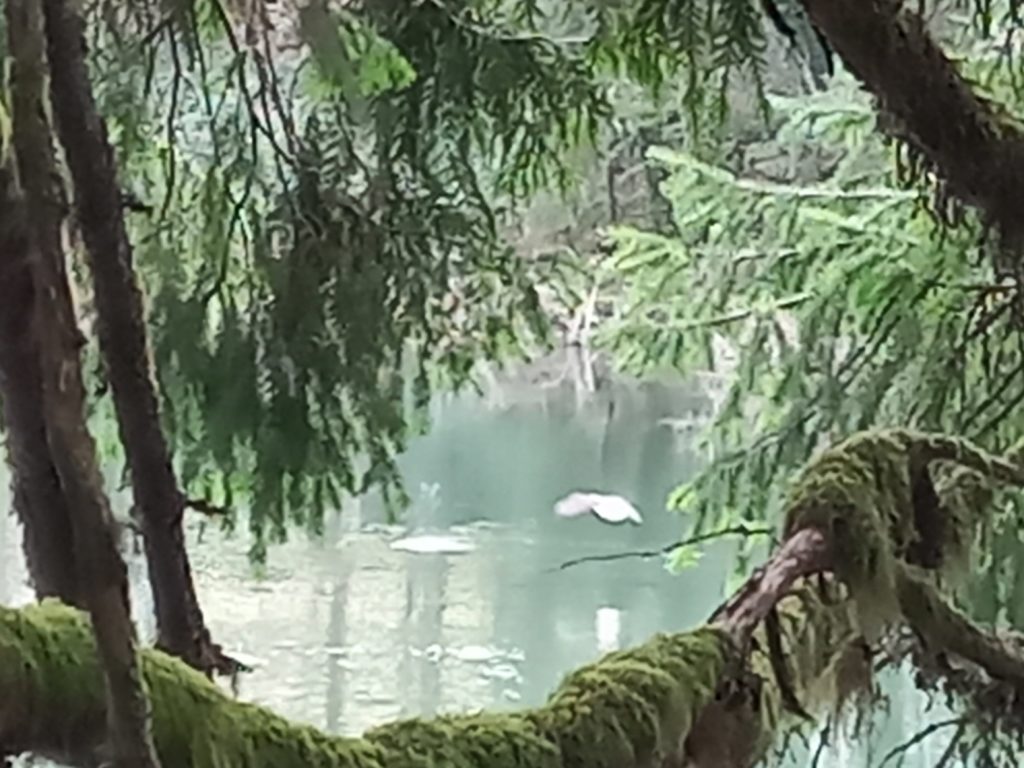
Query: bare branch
[920, 736]
[735, 530]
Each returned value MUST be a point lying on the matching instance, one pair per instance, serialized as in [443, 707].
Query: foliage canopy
[327, 199]
[853, 294]
[326, 193]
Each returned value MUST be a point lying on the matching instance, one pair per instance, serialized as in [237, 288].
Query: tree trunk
[123, 343]
[53, 330]
[975, 146]
[37, 497]
[103, 573]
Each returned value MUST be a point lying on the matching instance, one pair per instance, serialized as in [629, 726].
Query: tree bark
[54, 332]
[122, 332]
[804, 553]
[971, 143]
[38, 500]
[103, 573]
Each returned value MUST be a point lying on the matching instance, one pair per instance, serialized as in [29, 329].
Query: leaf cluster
[330, 190]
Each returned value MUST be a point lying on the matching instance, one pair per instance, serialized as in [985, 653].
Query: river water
[349, 632]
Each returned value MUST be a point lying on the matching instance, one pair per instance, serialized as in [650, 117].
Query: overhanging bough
[873, 526]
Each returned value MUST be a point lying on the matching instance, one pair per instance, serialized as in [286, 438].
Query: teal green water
[349, 632]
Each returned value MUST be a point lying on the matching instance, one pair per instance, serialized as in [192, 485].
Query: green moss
[47, 654]
[860, 494]
[854, 492]
[815, 624]
[966, 497]
[631, 705]
[504, 741]
[49, 675]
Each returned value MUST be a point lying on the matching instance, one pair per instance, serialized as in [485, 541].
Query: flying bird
[605, 507]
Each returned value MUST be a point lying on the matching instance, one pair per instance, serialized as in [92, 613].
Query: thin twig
[171, 127]
[736, 530]
[726, 319]
[918, 737]
[983, 287]
[823, 743]
[947, 755]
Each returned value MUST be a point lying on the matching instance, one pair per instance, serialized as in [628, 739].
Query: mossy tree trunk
[930, 107]
[102, 571]
[634, 708]
[54, 336]
[788, 647]
[123, 342]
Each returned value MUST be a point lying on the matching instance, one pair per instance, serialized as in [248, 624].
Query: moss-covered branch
[631, 708]
[970, 143]
[790, 644]
[660, 704]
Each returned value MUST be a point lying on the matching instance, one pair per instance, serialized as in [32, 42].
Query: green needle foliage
[325, 246]
[863, 298]
[325, 196]
[326, 191]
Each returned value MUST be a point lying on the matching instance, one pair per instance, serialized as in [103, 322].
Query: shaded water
[352, 633]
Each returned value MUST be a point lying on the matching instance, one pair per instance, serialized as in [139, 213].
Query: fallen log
[788, 646]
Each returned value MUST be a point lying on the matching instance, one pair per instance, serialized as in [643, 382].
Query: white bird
[606, 507]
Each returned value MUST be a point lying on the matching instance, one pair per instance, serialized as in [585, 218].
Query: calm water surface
[351, 633]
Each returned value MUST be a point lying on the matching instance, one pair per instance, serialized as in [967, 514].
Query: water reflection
[353, 633]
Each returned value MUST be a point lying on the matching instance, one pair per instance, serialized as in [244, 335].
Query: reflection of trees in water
[6, 551]
[510, 465]
[507, 466]
[529, 605]
[422, 627]
[337, 637]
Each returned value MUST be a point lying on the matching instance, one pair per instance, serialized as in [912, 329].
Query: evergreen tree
[317, 201]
